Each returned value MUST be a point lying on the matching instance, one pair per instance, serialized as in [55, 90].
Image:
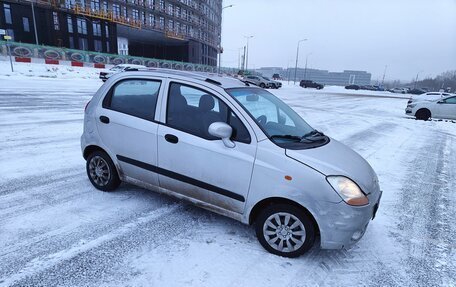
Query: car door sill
[199, 203]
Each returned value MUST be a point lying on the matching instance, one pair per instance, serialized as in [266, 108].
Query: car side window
[134, 97]
[450, 100]
[193, 110]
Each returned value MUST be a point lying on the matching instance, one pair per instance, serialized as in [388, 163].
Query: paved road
[57, 230]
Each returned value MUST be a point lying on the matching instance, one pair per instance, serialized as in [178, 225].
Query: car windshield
[279, 122]
[267, 79]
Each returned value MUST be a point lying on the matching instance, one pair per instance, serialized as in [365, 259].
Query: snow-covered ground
[57, 230]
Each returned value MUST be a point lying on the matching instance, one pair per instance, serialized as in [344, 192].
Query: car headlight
[411, 105]
[348, 190]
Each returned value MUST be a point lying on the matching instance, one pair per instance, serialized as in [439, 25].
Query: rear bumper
[343, 225]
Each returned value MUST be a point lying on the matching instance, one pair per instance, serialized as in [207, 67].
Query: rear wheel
[285, 230]
[423, 114]
[101, 171]
[262, 85]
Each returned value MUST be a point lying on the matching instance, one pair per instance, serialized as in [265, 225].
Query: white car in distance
[440, 108]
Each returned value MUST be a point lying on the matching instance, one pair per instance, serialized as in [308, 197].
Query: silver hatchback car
[231, 148]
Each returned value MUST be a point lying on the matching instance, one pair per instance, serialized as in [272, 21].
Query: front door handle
[104, 119]
[171, 138]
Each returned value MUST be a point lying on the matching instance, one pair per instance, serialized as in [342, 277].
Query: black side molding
[183, 178]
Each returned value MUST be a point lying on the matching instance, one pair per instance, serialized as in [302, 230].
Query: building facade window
[83, 44]
[95, 5]
[107, 30]
[151, 19]
[82, 26]
[10, 32]
[135, 14]
[116, 10]
[71, 40]
[125, 12]
[98, 46]
[55, 18]
[96, 28]
[26, 24]
[7, 10]
[70, 24]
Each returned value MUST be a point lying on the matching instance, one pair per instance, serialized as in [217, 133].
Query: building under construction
[179, 30]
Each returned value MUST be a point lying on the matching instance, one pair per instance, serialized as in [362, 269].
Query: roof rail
[213, 81]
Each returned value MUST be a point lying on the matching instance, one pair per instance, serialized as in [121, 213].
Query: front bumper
[408, 111]
[342, 225]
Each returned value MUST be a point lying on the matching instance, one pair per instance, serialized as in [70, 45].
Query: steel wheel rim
[99, 171]
[284, 232]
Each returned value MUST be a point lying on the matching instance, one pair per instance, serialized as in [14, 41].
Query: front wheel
[285, 230]
[262, 86]
[423, 114]
[101, 171]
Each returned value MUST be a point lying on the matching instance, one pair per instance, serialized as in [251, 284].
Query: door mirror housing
[223, 131]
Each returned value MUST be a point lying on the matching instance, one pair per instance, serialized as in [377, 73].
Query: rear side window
[134, 97]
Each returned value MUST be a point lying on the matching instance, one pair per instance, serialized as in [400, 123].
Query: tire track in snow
[37, 267]
[426, 228]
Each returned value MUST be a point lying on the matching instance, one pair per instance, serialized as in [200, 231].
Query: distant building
[179, 30]
[321, 76]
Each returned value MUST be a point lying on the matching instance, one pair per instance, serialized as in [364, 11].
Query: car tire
[295, 230]
[262, 85]
[102, 172]
[423, 114]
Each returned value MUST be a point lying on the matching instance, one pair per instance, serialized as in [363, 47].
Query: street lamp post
[305, 69]
[34, 23]
[297, 55]
[416, 79]
[220, 48]
[247, 53]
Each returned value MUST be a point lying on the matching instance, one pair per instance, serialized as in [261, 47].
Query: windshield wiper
[313, 136]
[288, 137]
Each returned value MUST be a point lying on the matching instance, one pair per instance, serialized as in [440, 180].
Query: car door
[447, 108]
[196, 164]
[127, 127]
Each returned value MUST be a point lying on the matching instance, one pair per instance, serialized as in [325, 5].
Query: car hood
[336, 158]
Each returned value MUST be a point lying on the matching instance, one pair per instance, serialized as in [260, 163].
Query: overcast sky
[409, 36]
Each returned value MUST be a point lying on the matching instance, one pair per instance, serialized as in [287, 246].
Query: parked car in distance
[398, 90]
[233, 149]
[441, 108]
[352, 87]
[258, 81]
[372, 88]
[273, 84]
[276, 77]
[429, 96]
[106, 74]
[311, 84]
[417, 91]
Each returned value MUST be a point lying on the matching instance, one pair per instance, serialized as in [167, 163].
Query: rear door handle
[171, 138]
[104, 119]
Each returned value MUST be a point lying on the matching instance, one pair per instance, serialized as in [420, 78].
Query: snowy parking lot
[56, 229]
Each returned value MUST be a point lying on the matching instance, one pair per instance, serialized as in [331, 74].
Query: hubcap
[284, 232]
[99, 171]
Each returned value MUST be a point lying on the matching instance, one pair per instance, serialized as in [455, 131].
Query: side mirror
[440, 102]
[223, 131]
